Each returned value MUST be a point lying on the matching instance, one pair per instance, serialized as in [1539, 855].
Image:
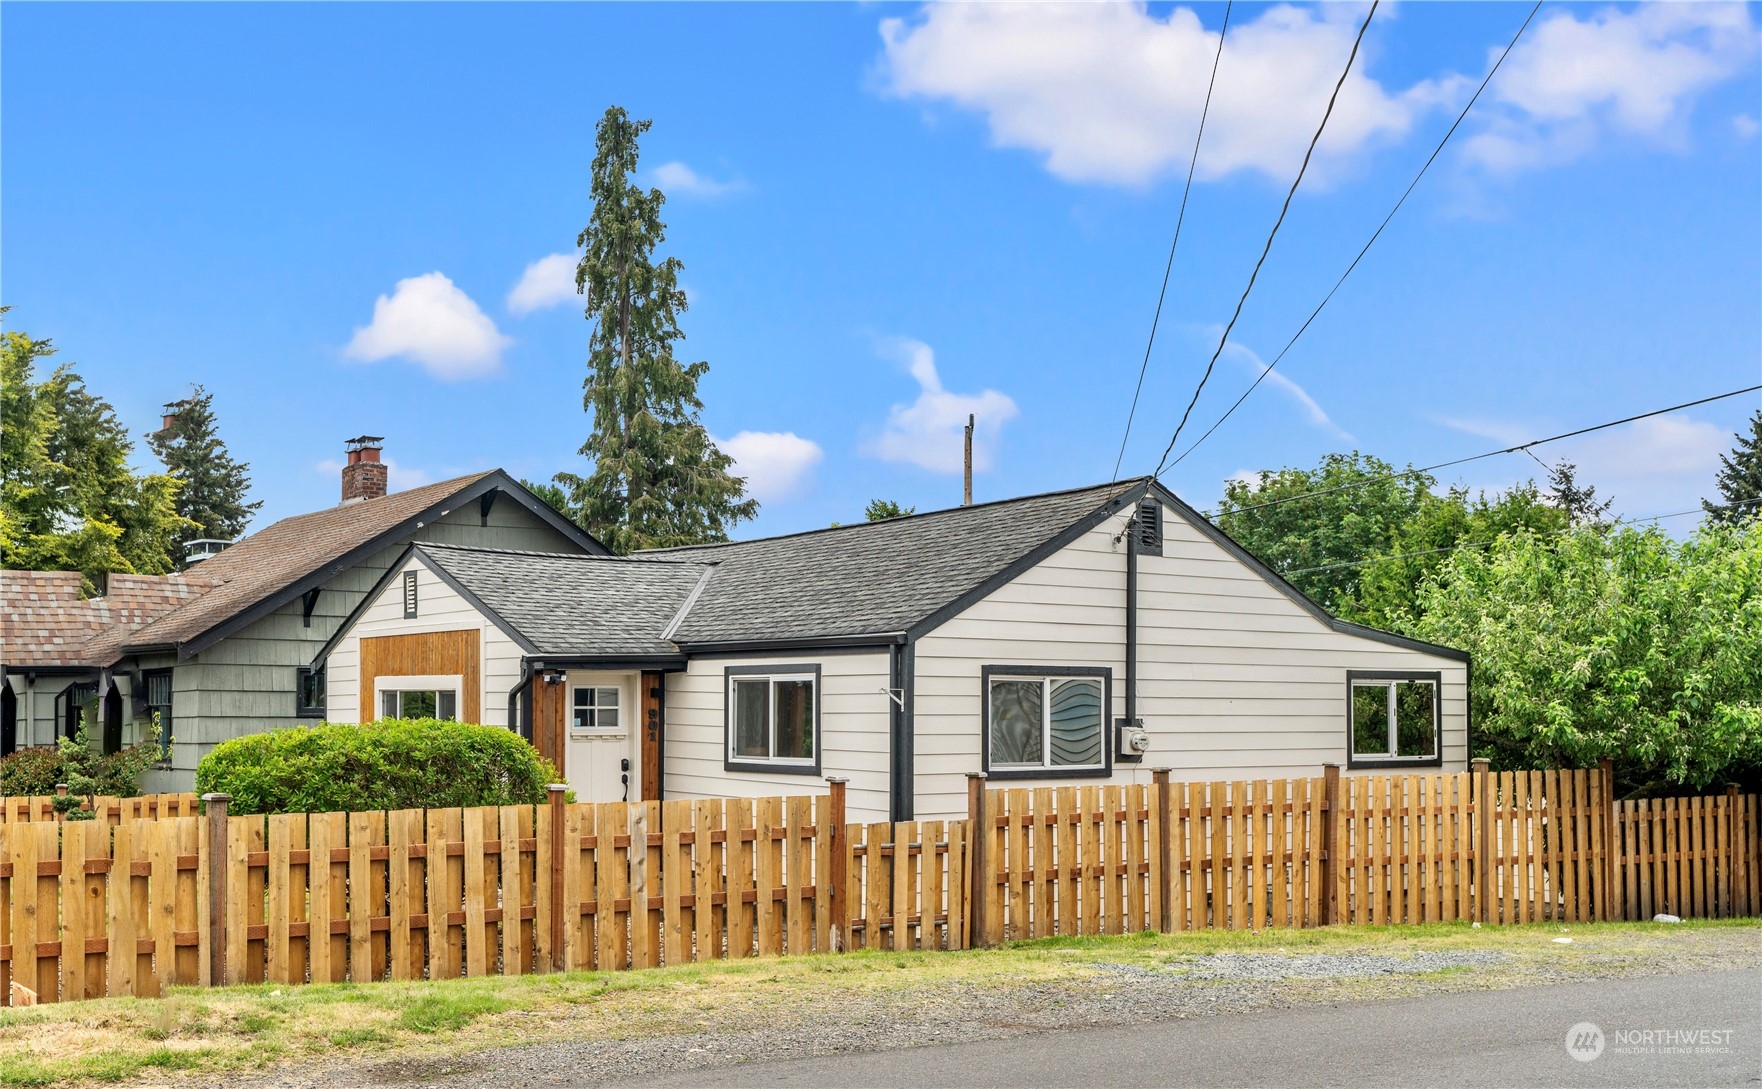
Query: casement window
[309, 692]
[441, 703]
[596, 708]
[1394, 719]
[1045, 722]
[773, 719]
[156, 684]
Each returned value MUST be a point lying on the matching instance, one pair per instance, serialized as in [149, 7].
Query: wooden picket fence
[153, 896]
[16, 808]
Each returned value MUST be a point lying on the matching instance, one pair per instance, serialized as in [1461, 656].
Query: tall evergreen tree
[1739, 478]
[214, 485]
[68, 499]
[1579, 501]
[657, 479]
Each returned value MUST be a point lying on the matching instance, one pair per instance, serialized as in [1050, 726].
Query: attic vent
[1147, 527]
[409, 595]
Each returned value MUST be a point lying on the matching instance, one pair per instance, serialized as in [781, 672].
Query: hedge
[389, 764]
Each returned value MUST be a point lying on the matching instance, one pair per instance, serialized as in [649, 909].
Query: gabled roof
[887, 579]
[571, 606]
[45, 622]
[276, 565]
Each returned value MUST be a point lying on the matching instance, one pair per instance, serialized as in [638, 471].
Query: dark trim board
[753, 767]
[1355, 763]
[1107, 741]
[657, 663]
[902, 743]
[817, 643]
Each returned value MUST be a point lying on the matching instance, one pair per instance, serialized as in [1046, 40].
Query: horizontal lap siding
[855, 732]
[1235, 678]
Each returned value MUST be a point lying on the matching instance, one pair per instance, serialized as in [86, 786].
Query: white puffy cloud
[677, 179]
[1112, 93]
[545, 283]
[1745, 127]
[1317, 415]
[777, 465]
[429, 321]
[398, 477]
[1631, 72]
[928, 432]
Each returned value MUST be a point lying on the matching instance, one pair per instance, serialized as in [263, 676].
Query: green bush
[37, 771]
[389, 764]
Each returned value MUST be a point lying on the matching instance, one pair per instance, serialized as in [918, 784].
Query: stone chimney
[364, 474]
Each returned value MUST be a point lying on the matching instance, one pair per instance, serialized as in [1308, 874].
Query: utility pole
[967, 477]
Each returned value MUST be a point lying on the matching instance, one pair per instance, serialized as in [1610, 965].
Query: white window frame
[433, 682]
[1048, 676]
[596, 730]
[1393, 679]
[771, 674]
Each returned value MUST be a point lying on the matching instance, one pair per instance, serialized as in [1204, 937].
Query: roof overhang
[660, 663]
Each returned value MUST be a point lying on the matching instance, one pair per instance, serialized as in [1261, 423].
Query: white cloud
[1636, 73]
[546, 282]
[1112, 93]
[429, 321]
[398, 478]
[1745, 126]
[1317, 415]
[677, 179]
[777, 465]
[928, 432]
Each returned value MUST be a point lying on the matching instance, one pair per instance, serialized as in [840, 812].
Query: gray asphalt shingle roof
[871, 578]
[575, 605]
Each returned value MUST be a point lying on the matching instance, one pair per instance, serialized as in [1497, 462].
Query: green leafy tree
[1740, 478]
[657, 478]
[551, 495]
[1317, 542]
[1389, 584]
[1577, 501]
[215, 487]
[1617, 642]
[879, 510]
[71, 502]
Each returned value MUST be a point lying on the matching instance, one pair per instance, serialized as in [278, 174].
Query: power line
[1519, 448]
[1274, 233]
[1179, 219]
[1374, 236]
[1484, 544]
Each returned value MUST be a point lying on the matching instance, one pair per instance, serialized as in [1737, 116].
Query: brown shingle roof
[273, 559]
[45, 623]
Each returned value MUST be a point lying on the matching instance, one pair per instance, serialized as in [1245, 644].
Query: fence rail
[109, 808]
[153, 895]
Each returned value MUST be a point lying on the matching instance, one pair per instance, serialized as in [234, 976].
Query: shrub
[389, 764]
[37, 771]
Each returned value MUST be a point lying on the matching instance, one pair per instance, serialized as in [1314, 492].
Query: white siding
[854, 732]
[439, 608]
[1236, 680]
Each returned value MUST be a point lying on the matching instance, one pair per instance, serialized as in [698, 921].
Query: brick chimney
[364, 474]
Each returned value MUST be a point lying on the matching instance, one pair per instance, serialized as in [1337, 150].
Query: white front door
[600, 717]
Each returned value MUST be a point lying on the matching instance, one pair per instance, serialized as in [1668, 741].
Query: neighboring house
[1077, 637]
[234, 659]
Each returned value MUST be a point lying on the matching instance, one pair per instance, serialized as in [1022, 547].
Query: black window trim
[410, 594]
[161, 738]
[302, 709]
[1436, 760]
[986, 673]
[767, 767]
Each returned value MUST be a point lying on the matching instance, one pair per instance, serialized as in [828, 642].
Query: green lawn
[241, 1028]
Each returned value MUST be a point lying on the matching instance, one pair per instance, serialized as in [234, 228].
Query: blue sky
[890, 216]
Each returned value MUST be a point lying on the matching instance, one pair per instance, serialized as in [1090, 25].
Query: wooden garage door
[423, 654]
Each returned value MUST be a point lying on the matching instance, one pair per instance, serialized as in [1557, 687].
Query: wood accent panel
[549, 715]
[652, 685]
[426, 653]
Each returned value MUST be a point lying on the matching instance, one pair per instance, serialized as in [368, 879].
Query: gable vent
[1147, 527]
[409, 595]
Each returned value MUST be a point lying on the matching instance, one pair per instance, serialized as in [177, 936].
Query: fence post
[60, 792]
[217, 855]
[1163, 855]
[1483, 838]
[1329, 860]
[1605, 910]
[554, 794]
[978, 827]
[838, 844]
[1728, 862]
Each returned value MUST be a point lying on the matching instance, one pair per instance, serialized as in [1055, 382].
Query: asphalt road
[1487, 1038]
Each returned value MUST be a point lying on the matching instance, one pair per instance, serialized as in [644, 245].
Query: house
[1071, 638]
[232, 655]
